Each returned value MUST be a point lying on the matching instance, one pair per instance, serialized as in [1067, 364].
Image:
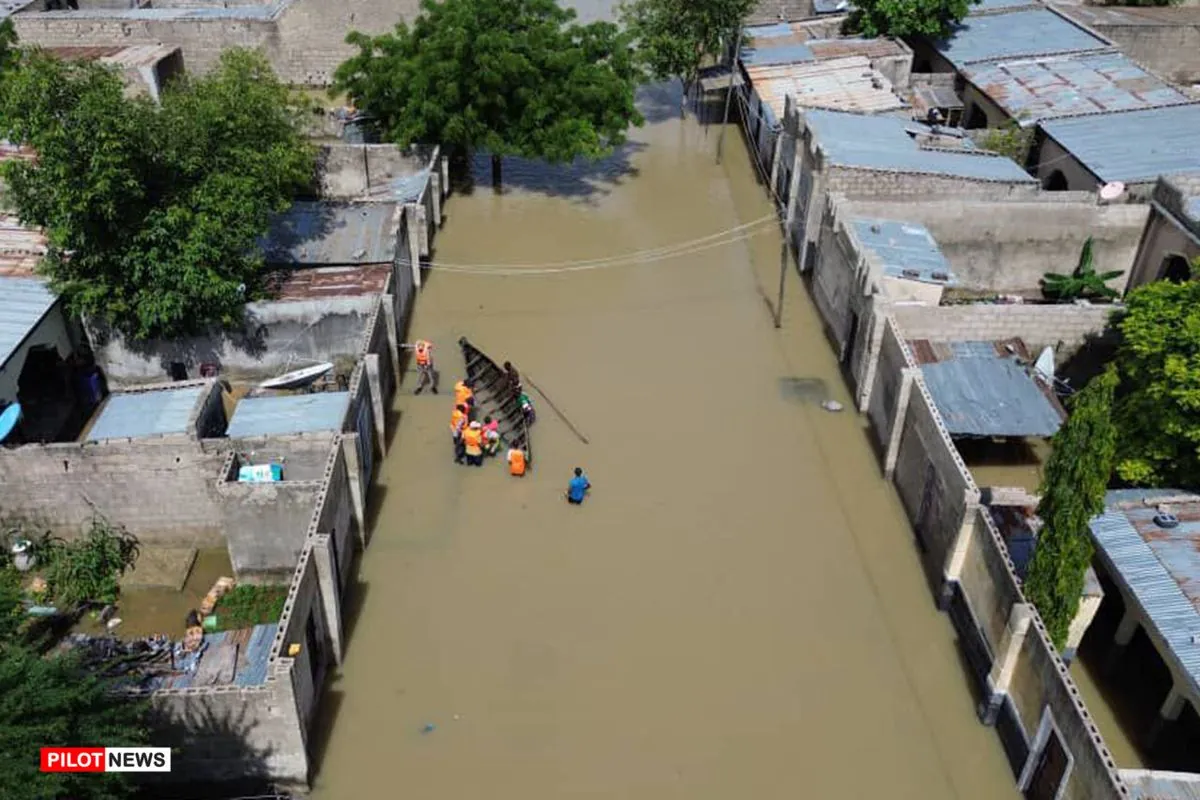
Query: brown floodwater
[737, 610]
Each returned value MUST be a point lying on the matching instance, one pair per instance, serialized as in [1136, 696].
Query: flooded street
[738, 610]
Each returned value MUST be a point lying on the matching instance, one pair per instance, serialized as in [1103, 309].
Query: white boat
[297, 379]
[1045, 364]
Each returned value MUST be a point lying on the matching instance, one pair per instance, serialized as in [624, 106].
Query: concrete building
[1033, 89]
[1172, 238]
[823, 152]
[304, 40]
[1165, 39]
[145, 68]
[1086, 152]
[1146, 545]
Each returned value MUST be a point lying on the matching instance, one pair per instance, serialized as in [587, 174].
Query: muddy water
[736, 611]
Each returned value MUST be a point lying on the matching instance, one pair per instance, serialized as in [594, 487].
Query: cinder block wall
[1038, 325]
[266, 525]
[893, 358]
[333, 514]
[898, 185]
[1009, 247]
[833, 283]
[304, 607]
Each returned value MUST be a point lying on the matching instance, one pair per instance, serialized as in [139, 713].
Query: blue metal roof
[1032, 32]
[285, 414]
[832, 6]
[24, 302]
[764, 56]
[1070, 85]
[872, 142]
[1145, 784]
[993, 5]
[318, 233]
[136, 415]
[978, 393]
[905, 249]
[1161, 569]
[1164, 140]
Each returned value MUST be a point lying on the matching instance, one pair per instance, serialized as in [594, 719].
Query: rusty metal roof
[790, 43]
[21, 248]
[1160, 568]
[844, 84]
[312, 284]
[1061, 86]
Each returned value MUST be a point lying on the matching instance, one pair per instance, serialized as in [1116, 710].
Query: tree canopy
[152, 212]
[510, 77]
[52, 701]
[933, 18]
[1158, 410]
[1073, 488]
[675, 36]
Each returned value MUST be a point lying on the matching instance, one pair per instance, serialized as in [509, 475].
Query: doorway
[1176, 269]
[1048, 765]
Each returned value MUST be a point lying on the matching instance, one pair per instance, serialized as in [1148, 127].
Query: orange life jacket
[516, 462]
[424, 352]
[457, 420]
[472, 441]
[462, 394]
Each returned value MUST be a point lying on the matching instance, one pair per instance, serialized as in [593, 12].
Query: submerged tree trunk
[497, 171]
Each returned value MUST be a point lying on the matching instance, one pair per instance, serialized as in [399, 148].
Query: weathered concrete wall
[265, 524]
[1172, 50]
[305, 612]
[935, 486]
[1052, 158]
[234, 732]
[358, 170]
[882, 395]
[834, 281]
[333, 514]
[901, 185]
[274, 336]
[1164, 238]
[1008, 247]
[1038, 325]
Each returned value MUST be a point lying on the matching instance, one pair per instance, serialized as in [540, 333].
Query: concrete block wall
[303, 455]
[1038, 325]
[1171, 50]
[265, 524]
[1008, 247]
[899, 185]
[201, 38]
[333, 514]
[303, 607]
[834, 282]
[893, 357]
[988, 578]
[233, 731]
[936, 488]
[272, 338]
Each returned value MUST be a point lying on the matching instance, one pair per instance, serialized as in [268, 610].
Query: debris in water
[457, 716]
[429, 728]
[113, 623]
[831, 405]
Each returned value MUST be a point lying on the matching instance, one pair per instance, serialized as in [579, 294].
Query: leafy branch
[1083, 283]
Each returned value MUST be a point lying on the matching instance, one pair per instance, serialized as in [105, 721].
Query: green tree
[933, 18]
[152, 212]
[510, 77]
[674, 37]
[1073, 488]
[1158, 411]
[9, 54]
[1084, 282]
[52, 701]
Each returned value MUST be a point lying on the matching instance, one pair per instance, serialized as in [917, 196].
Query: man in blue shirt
[577, 489]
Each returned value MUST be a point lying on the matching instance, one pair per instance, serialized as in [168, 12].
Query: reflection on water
[1008, 463]
[736, 611]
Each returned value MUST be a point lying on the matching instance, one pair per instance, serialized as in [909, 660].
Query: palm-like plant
[1083, 283]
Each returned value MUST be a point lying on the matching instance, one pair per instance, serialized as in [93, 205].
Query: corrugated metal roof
[24, 302]
[286, 414]
[1145, 784]
[904, 249]
[402, 189]
[978, 393]
[1132, 146]
[832, 6]
[1070, 85]
[21, 248]
[1022, 33]
[315, 282]
[993, 5]
[880, 142]
[136, 415]
[248, 12]
[333, 233]
[791, 43]
[1160, 568]
[10, 7]
[843, 83]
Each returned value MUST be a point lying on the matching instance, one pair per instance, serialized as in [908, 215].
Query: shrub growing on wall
[1073, 488]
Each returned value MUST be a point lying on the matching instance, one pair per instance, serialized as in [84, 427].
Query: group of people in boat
[474, 438]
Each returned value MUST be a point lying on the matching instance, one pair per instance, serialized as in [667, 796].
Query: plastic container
[210, 622]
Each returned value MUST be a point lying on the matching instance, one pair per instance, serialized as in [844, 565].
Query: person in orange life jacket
[458, 422]
[426, 374]
[464, 394]
[491, 436]
[516, 462]
[472, 439]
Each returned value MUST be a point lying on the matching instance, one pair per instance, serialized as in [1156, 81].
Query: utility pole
[783, 262]
[737, 53]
